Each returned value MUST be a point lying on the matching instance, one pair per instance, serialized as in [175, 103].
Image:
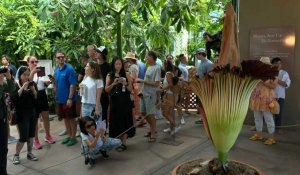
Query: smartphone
[31, 83]
[140, 95]
[123, 78]
[50, 77]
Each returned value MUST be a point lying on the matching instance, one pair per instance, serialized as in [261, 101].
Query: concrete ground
[143, 158]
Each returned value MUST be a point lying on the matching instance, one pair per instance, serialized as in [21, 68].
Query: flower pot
[176, 170]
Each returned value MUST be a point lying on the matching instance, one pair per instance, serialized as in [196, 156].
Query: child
[94, 140]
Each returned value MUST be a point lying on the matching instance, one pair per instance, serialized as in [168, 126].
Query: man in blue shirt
[142, 69]
[205, 65]
[65, 83]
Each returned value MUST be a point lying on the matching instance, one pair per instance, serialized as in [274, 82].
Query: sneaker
[71, 142]
[182, 121]
[64, 132]
[256, 137]
[269, 141]
[37, 145]
[66, 140]
[104, 154]
[167, 130]
[31, 157]
[16, 159]
[175, 130]
[49, 139]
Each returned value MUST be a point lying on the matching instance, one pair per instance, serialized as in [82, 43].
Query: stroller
[103, 144]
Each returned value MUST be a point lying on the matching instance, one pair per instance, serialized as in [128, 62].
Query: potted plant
[225, 95]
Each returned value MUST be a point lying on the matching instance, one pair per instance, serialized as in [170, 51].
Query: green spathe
[225, 99]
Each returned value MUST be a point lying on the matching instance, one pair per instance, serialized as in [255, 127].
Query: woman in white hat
[260, 103]
[134, 71]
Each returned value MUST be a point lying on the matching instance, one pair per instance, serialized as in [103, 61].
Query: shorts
[168, 100]
[27, 128]
[87, 109]
[147, 105]
[68, 113]
[168, 104]
[42, 101]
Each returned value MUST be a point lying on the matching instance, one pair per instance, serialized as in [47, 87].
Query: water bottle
[123, 88]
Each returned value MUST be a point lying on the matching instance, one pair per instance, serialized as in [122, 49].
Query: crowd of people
[113, 97]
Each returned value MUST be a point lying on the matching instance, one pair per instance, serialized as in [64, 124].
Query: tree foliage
[39, 27]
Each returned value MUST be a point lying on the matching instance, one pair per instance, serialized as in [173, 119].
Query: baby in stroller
[94, 140]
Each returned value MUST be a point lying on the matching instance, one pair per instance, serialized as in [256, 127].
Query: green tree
[41, 26]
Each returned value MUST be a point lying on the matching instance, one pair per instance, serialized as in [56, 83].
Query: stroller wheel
[87, 160]
[92, 162]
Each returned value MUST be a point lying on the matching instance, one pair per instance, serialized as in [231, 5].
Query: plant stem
[223, 158]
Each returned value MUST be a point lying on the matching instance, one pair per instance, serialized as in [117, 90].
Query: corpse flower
[226, 91]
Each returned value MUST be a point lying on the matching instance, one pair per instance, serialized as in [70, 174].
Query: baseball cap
[102, 50]
[200, 50]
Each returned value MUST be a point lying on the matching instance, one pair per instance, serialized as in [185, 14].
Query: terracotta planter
[174, 171]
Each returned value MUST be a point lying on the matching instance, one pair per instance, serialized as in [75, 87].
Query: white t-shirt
[152, 74]
[39, 82]
[90, 87]
[280, 90]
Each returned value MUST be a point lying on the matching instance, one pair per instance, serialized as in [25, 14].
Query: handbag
[274, 107]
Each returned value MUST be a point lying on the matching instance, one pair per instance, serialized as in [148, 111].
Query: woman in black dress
[118, 85]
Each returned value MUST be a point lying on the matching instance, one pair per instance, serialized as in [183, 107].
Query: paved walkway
[143, 158]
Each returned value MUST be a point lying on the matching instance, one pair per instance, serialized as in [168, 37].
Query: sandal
[152, 139]
[121, 148]
[270, 141]
[256, 137]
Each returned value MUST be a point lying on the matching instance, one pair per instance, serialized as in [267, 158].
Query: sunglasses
[32, 62]
[89, 126]
[60, 57]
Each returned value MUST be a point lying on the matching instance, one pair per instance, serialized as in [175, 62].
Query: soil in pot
[214, 167]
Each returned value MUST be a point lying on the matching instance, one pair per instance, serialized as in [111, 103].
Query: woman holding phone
[37, 74]
[118, 85]
[25, 100]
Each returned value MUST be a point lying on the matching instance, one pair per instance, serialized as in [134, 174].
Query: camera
[31, 83]
[3, 70]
